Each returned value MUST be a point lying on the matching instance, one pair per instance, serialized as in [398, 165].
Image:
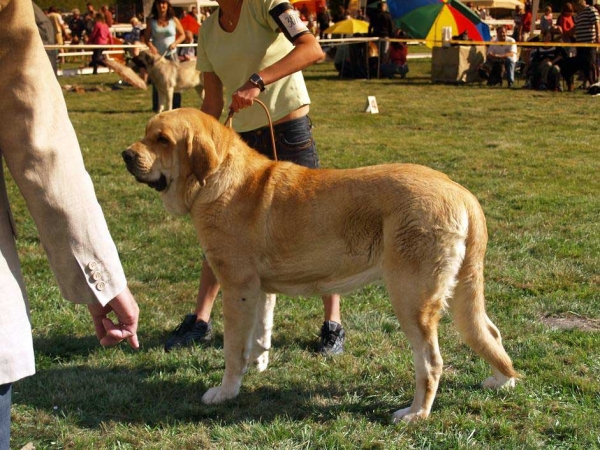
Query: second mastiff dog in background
[275, 227]
[169, 77]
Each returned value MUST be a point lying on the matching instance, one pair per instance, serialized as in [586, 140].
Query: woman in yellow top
[256, 49]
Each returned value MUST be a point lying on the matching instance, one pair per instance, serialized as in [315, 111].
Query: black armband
[289, 21]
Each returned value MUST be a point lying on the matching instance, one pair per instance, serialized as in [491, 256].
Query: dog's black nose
[128, 156]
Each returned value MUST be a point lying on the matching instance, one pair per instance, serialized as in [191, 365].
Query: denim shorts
[294, 141]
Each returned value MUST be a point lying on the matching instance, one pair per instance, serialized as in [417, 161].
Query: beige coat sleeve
[43, 156]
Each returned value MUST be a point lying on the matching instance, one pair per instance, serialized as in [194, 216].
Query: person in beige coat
[40, 149]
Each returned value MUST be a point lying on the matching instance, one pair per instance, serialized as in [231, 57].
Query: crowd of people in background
[553, 64]
[76, 27]
[547, 65]
[93, 27]
[576, 23]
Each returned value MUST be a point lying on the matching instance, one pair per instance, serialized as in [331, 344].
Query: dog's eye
[163, 140]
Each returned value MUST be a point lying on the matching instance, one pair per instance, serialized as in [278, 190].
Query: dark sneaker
[189, 333]
[332, 339]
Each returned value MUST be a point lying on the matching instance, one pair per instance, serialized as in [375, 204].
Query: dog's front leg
[261, 340]
[168, 104]
[240, 311]
[162, 100]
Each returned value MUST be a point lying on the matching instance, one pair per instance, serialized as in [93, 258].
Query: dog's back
[358, 218]
[187, 76]
[170, 76]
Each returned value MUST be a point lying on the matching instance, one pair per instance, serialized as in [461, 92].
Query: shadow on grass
[66, 347]
[91, 396]
[159, 389]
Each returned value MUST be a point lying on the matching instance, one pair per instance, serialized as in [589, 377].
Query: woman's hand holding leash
[244, 97]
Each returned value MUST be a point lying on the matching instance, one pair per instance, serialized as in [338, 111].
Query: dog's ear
[150, 59]
[202, 154]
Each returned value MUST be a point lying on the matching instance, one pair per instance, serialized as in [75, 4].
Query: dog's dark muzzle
[130, 159]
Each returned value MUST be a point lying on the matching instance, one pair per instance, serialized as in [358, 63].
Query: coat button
[92, 265]
[100, 285]
[97, 276]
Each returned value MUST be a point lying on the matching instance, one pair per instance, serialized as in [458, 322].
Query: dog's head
[144, 60]
[179, 153]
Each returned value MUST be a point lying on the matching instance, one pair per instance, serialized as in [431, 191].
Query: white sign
[372, 105]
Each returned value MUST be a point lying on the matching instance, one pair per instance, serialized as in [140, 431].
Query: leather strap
[229, 123]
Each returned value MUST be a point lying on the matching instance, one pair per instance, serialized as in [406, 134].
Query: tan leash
[229, 123]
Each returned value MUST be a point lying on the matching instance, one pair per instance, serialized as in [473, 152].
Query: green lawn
[531, 158]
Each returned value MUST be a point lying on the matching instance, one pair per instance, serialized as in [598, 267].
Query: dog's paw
[218, 395]
[404, 415]
[502, 383]
[261, 361]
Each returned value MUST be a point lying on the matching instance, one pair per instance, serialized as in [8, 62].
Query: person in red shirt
[526, 23]
[100, 35]
[566, 23]
[396, 58]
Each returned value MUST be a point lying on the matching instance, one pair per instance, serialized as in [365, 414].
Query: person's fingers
[127, 312]
[133, 341]
[97, 314]
[241, 99]
[99, 327]
[117, 333]
[112, 333]
[126, 309]
[238, 105]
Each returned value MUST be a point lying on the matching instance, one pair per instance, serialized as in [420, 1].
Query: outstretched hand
[127, 312]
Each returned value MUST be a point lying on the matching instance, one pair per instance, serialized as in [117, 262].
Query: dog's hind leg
[263, 327]
[240, 313]
[420, 269]
[418, 312]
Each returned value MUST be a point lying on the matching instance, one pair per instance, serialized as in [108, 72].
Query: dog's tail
[468, 302]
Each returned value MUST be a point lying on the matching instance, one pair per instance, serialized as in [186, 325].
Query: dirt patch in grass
[570, 321]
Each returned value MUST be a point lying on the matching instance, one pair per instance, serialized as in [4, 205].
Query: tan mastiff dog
[412, 227]
[170, 77]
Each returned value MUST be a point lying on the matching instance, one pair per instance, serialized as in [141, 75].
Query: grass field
[531, 158]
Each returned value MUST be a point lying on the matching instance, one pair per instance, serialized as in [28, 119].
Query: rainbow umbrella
[424, 19]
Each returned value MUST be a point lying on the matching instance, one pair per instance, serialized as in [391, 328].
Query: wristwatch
[257, 81]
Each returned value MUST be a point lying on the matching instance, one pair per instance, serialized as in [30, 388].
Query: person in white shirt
[503, 55]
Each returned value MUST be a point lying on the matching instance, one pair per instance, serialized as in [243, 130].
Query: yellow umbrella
[348, 26]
